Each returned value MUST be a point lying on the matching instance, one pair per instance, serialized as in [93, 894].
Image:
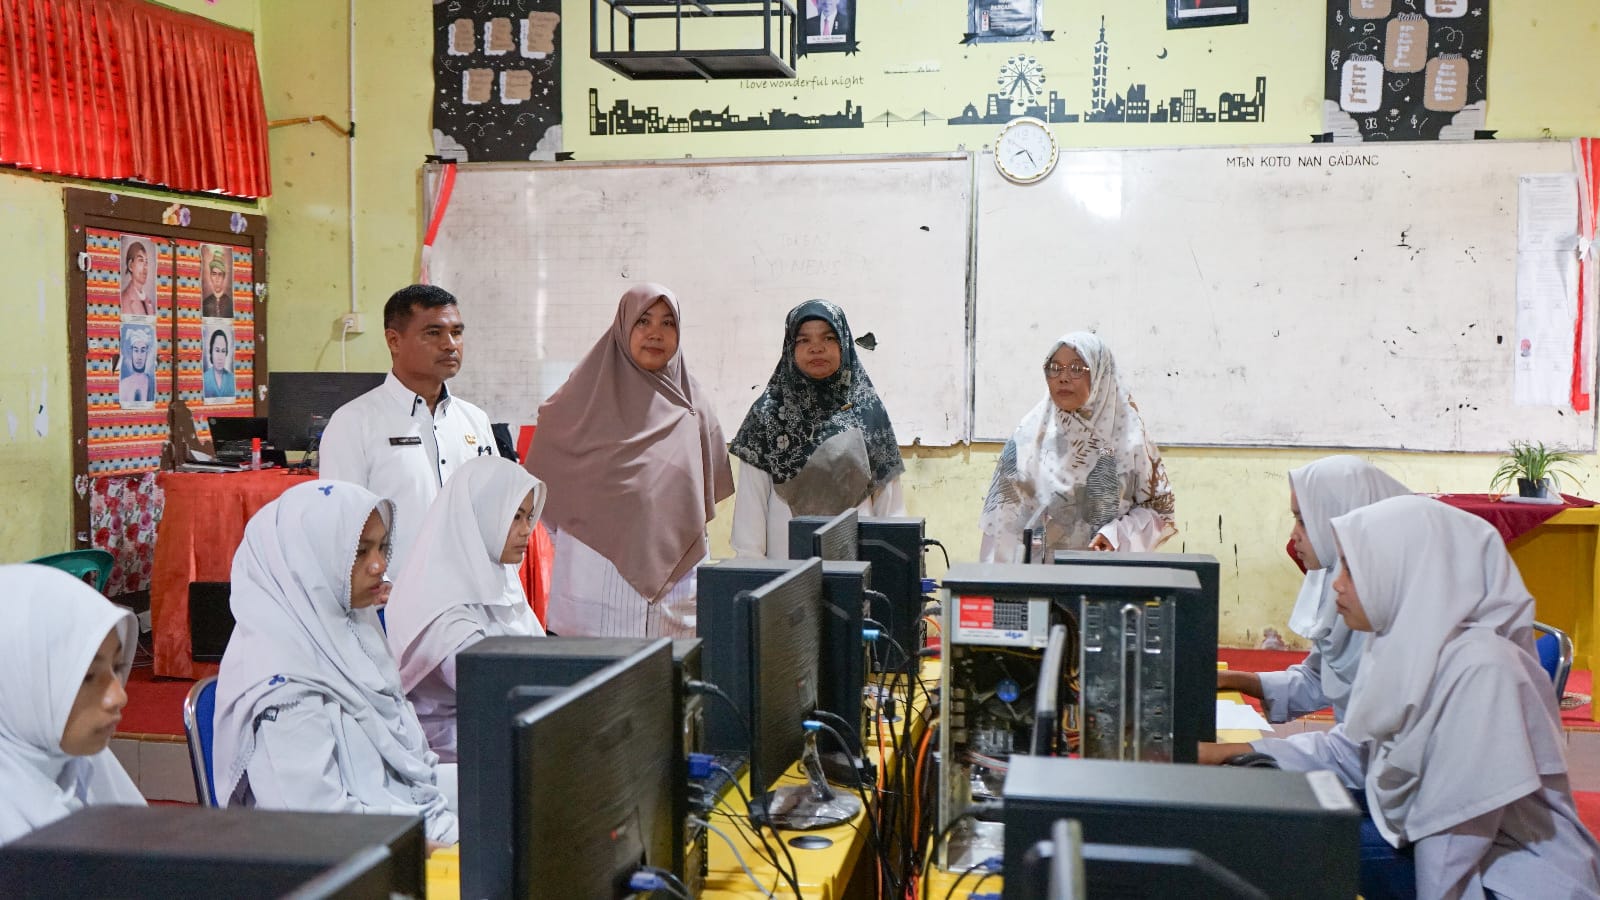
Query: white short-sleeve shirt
[386, 441]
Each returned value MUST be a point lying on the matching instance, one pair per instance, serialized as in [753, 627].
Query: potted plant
[1536, 469]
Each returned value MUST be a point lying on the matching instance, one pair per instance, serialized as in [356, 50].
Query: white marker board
[1297, 296]
[539, 256]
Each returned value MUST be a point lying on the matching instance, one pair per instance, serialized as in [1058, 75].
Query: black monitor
[595, 776]
[1196, 626]
[834, 540]
[842, 666]
[497, 679]
[785, 620]
[160, 852]
[1244, 821]
[894, 548]
[299, 404]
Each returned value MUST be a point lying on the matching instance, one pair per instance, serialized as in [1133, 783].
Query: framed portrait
[1203, 13]
[829, 27]
[997, 21]
[136, 277]
[216, 281]
[217, 381]
[137, 365]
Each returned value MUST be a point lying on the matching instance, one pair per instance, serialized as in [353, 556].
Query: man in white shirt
[403, 438]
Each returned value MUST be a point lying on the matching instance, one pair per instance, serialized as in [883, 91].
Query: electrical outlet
[350, 323]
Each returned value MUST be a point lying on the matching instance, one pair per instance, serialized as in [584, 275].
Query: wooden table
[200, 529]
[1560, 566]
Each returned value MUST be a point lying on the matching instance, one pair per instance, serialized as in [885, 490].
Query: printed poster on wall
[830, 27]
[1406, 70]
[128, 365]
[216, 330]
[497, 80]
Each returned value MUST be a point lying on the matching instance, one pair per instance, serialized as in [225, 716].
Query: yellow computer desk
[1561, 568]
[938, 883]
[831, 873]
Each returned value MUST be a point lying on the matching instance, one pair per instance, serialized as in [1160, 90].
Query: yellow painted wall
[1545, 62]
[35, 373]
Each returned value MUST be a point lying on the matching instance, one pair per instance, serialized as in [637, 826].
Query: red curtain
[124, 89]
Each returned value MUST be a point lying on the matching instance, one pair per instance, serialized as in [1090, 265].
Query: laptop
[231, 436]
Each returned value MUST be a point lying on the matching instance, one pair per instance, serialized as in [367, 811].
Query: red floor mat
[1588, 804]
[155, 705]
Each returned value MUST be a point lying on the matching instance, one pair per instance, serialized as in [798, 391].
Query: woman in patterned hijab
[817, 441]
[1080, 466]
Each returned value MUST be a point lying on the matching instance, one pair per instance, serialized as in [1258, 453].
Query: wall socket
[350, 323]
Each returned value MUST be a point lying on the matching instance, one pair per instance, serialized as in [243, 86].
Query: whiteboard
[1263, 296]
[538, 257]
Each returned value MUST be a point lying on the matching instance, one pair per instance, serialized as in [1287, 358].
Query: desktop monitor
[595, 777]
[159, 852]
[894, 548]
[835, 540]
[300, 403]
[727, 647]
[1246, 821]
[785, 623]
[1196, 625]
[498, 678]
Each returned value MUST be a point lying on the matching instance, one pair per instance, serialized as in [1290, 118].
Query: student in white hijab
[1452, 731]
[310, 712]
[461, 585]
[1462, 733]
[1318, 492]
[65, 652]
[1079, 466]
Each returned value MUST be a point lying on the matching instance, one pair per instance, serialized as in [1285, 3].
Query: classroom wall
[1545, 60]
[35, 373]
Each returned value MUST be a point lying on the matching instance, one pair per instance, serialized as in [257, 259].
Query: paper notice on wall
[1547, 289]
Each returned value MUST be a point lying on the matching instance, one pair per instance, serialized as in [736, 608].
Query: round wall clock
[1025, 151]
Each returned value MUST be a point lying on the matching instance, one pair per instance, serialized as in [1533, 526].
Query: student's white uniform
[54, 627]
[386, 441]
[1324, 490]
[761, 518]
[454, 591]
[310, 712]
[1461, 739]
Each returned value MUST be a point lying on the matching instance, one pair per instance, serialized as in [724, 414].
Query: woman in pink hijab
[635, 462]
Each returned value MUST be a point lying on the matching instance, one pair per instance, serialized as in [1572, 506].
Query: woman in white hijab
[461, 585]
[1080, 466]
[1462, 734]
[65, 652]
[310, 712]
[1318, 492]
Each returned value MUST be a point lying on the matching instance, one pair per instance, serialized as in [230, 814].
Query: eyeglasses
[1074, 372]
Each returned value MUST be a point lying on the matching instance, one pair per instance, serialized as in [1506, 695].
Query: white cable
[736, 855]
[344, 334]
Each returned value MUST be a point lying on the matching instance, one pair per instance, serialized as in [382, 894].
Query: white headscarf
[453, 583]
[1459, 716]
[1325, 489]
[296, 635]
[1083, 469]
[54, 625]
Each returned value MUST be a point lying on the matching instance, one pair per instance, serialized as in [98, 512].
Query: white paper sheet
[1547, 289]
[1239, 716]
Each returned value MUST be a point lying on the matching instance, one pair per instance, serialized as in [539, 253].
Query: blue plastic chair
[199, 711]
[1555, 655]
[80, 564]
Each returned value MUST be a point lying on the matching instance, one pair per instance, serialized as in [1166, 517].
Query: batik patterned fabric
[1074, 473]
[797, 414]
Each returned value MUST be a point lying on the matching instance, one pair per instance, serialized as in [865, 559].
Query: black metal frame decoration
[997, 21]
[1204, 13]
[829, 26]
[497, 80]
[1406, 70]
